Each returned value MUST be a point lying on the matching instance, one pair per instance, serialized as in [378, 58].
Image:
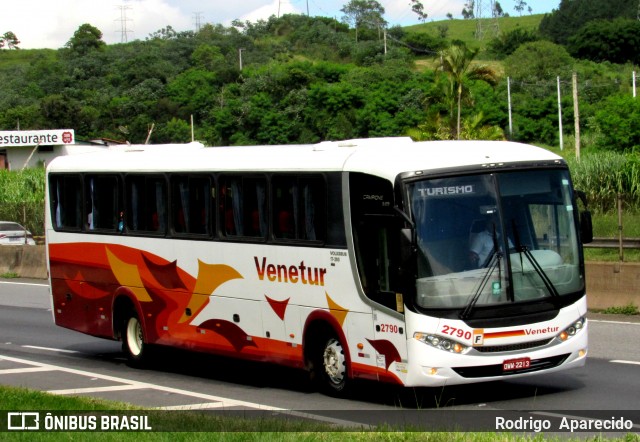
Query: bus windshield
[492, 239]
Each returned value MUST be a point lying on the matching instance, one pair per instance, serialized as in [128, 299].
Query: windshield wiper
[522, 249]
[494, 260]
[539, 270]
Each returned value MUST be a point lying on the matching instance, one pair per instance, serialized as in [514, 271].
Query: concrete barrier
[25, 261]
[609, 284]
[613, 284]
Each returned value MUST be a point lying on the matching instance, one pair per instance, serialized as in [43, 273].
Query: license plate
[516, 364]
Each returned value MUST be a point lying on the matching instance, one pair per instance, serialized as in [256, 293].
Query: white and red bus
[352, 259]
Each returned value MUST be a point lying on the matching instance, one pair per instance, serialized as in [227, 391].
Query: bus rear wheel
[331, 367]
[133, 343]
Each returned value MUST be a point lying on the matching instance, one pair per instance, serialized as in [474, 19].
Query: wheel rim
[334, 362]
[134, 336]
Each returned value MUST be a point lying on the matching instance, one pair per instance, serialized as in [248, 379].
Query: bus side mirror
[586, 225]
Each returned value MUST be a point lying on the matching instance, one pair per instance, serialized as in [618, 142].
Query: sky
[50, 24]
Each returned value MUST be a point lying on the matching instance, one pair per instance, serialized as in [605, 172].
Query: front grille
[485, 371]
[512, 347]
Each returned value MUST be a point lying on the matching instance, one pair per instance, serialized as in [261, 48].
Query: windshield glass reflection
[495, 238]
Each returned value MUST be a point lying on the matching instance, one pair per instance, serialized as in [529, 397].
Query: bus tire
[133, 345]
[330, 366]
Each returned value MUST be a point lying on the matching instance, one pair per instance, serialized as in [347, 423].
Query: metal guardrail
[614, 243]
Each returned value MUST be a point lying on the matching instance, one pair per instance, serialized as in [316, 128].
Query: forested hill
[298, 79]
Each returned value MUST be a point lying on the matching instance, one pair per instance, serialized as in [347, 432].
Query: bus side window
[244, 206]
[102, 202]
[299, 210]
[146, 203]
[66, 201]
[284, 207]
[191, 204]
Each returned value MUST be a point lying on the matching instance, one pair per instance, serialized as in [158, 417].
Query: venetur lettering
[293, 274]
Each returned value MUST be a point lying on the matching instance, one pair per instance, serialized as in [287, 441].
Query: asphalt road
[37, 354]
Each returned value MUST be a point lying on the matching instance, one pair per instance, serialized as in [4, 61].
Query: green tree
[539, 60]
[618, 121]
[364, 14]
[562, 23]
[418, 8]
[468, 10]
[9, 40]
[616, 41]
[456, 63]
[520, 6]
[86, 39]
[473, 127]
[507, 42]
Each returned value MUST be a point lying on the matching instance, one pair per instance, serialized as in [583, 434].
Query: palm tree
[456, 63]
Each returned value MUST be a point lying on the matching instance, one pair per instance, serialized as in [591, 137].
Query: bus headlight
[572, 330]
[441, 343]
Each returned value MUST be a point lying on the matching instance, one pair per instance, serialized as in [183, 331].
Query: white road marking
[202, 406]
[23, 370]
[96, 389]
[614, 322]
[211, 398]
[59, 350]
[620, 361]
[212, 402]
[25, 283]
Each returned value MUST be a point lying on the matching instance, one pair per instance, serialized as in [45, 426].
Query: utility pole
[240, 57]
[509, 106]
[576, 113]
[560, 115]
[385, 41]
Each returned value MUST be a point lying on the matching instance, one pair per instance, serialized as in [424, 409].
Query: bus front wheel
[331, 367]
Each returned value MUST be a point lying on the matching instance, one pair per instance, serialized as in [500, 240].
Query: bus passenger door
[390, 341]
[376, 240]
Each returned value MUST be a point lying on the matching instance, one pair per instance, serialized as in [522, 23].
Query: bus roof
[385, 157]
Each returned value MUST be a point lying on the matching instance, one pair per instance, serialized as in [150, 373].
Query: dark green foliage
[618, 122]
[572, 15]
[539, 60]
[603, 175]
[616, 41]
[422, 43]
[86, 39]
[506, 43]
